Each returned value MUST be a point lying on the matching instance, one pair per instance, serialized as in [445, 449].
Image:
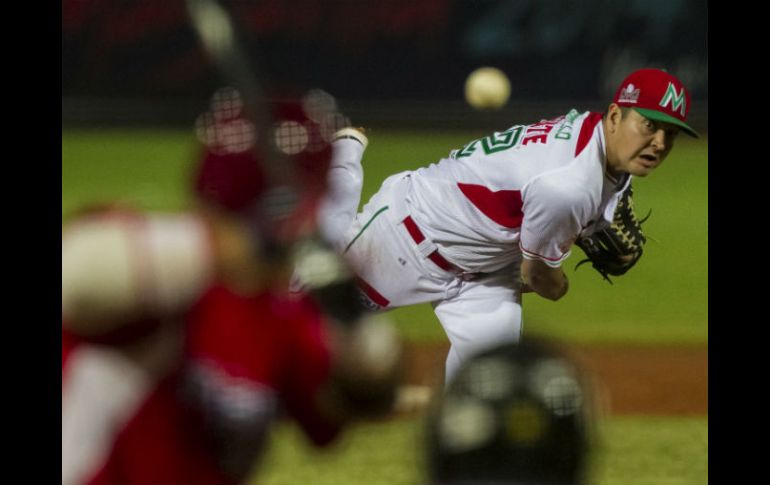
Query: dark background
[394, 62]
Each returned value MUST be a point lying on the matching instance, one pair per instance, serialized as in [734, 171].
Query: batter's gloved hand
[323, 274]
[616, 249]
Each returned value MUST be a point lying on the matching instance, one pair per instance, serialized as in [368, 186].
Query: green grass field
[663, 299]
[632, 451]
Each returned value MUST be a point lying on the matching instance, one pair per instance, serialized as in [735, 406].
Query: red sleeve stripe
[587, 131]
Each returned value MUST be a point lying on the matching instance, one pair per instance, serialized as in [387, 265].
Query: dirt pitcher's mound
[636, 379]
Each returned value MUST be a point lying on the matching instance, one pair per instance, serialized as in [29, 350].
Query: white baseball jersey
[526, 191]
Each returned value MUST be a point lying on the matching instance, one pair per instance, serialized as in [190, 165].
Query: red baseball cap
[657, 95]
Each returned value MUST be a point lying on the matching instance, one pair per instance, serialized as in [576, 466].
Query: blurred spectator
[516, 414]
[181, 345]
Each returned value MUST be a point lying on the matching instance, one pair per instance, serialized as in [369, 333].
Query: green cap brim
[658, 116]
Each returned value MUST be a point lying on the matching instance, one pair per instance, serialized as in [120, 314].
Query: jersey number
[493, 143]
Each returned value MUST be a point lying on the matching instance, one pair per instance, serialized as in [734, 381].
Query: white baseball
[487, 88]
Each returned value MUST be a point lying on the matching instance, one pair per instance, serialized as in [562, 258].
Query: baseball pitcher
[499, 216]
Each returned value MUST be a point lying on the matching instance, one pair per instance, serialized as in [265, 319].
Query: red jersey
[244, 360]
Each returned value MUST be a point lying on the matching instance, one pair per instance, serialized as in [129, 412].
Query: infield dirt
[636, 379]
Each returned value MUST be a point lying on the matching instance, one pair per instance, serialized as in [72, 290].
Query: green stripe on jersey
[365, 226]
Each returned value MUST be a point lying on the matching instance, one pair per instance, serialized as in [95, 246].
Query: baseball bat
[222, 40]
[335, 291]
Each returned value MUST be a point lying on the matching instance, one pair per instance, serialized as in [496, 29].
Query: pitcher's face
[636, 144]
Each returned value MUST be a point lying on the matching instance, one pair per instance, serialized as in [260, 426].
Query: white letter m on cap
[677, 100]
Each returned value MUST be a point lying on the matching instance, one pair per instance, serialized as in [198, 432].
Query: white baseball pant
[396, 268]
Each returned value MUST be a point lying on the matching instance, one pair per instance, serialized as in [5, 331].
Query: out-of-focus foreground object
[514, 414]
